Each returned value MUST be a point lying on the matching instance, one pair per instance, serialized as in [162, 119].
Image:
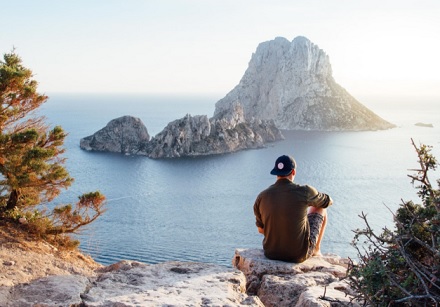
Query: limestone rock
[279, 283]
[61, 290]
[182, 137]
[130, 283]
[126, 135]
[292, 84]
[198, 135]
[189, 136]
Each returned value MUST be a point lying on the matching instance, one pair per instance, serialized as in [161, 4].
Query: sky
[376, 47]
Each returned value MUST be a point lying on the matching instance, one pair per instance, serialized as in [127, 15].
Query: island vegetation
[32, 171]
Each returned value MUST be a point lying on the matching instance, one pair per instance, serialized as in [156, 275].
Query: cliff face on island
[198, 135]
[292, 84]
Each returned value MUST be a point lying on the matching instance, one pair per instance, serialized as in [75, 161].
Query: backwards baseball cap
[284, 165]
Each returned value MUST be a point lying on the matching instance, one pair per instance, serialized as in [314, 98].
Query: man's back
[281, 210]
[292, 217]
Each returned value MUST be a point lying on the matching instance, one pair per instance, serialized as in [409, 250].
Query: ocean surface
[201, 209]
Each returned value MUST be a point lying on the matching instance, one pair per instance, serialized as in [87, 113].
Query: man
[292, 217]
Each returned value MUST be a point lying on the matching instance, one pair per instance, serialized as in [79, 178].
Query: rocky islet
[287, 85]
[189, 136]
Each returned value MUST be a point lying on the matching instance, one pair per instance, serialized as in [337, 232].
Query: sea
[201, 209]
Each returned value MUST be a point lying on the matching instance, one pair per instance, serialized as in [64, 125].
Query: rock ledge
[255, 281]
[131, 283]
[315, 282]
[35, 273]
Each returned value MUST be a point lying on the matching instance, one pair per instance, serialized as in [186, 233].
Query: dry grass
[24, 257]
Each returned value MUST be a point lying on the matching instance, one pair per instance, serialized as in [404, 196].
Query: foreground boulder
[126, 135]
[291, 83]
[316, 282]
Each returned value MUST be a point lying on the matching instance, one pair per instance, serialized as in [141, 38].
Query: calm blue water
[200, 209]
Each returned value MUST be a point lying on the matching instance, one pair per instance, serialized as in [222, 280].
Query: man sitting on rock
[291, 217]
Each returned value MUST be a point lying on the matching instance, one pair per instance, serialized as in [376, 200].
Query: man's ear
[293, 172]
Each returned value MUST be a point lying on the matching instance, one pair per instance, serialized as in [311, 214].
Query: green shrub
[401, 267]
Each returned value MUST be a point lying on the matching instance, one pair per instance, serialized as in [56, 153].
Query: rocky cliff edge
[37, 274]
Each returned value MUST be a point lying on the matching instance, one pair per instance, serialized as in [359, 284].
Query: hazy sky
[376, 47]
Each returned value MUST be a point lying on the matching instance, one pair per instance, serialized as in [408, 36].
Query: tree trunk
[12, 201]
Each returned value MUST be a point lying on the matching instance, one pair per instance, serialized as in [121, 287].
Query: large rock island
[292, 84]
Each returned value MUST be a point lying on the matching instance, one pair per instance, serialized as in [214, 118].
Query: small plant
[402, 267]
